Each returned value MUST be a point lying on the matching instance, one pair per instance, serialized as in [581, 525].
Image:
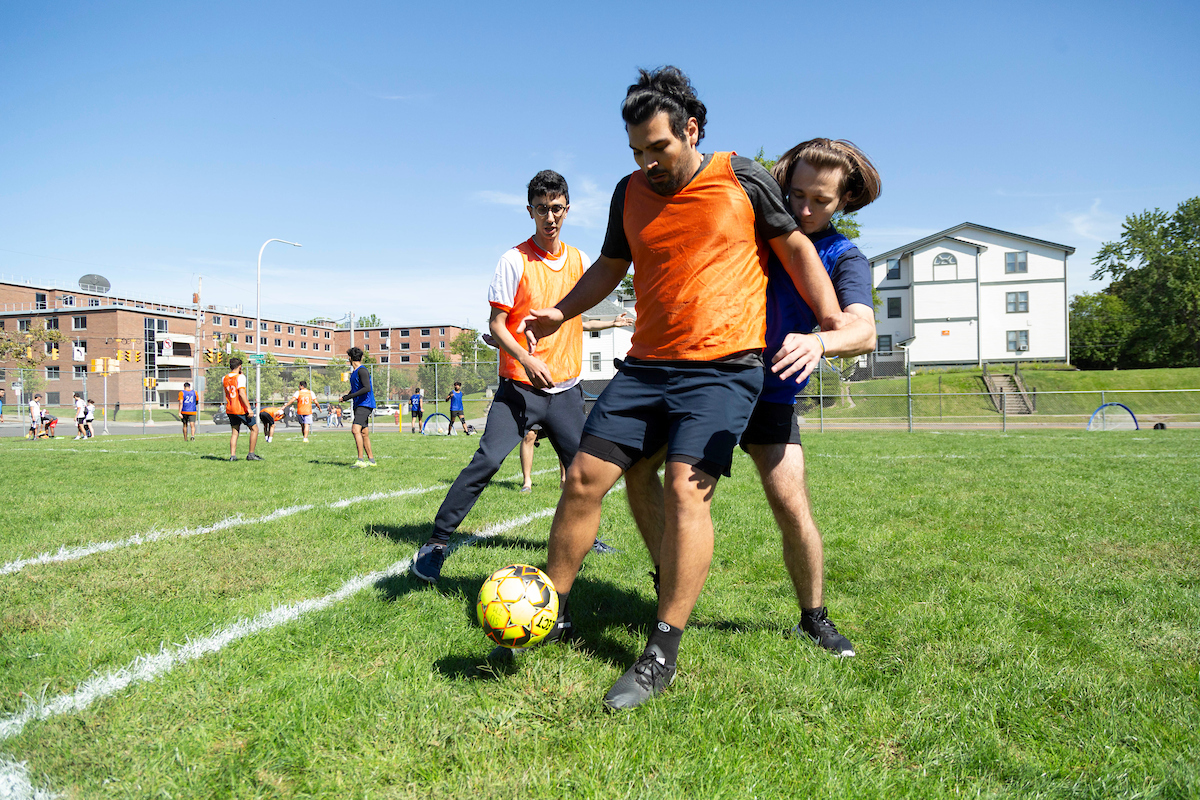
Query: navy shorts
[238, 420]
[697, 410]
[772, 423]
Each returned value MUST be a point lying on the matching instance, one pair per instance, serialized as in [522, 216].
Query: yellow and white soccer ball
[517, 606]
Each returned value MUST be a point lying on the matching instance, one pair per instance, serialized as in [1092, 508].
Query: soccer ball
[517, 606]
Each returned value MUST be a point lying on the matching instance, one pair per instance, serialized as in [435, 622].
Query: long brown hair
[859, 177]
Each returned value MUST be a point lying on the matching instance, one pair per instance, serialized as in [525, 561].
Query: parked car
[387, 411]
[220, 417]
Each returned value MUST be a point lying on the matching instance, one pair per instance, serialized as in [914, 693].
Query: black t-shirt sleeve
[851, 279]
[615, 244]
[771, 216]
[364, 379]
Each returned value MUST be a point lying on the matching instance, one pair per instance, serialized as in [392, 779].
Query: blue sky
[158, 142]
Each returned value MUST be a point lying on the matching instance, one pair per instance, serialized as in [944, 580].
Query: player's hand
[623, 321]
[797, 356]
[345, 398]
[540, 323]
[489, 341]
[537, 372]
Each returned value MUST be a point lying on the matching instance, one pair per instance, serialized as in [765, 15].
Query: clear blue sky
[155, 143]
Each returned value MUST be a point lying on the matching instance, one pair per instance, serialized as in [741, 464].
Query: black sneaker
[603, 548]
[647, 678]
[428, 563]
[817, 626]
[254, 457]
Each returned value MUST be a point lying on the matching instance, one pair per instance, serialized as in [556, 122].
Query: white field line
[146, 668]
[15, 783]
[65, 554]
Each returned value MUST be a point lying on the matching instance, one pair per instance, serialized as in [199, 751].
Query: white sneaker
[306, 441]
[77, 438]
[268, 439]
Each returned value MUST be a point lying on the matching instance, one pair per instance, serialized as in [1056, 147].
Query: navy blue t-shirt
[359, 379]
[850, 273]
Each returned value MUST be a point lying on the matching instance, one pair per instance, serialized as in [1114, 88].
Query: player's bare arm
[535, 369]
[621, 321]
[854, 338]
[596, 284]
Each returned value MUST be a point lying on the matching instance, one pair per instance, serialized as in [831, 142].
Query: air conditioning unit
[1022, 347]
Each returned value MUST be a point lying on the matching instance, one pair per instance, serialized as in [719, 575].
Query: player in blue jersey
[189, 411]
[456, 409]
[362, 393]
[416, 410]
[820, 177]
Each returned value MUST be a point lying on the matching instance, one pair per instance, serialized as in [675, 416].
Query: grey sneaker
[817, 627]
[254, 457]
[428, 562]
[601, 547]
[526, 489]
[649, 676]
[234, 458]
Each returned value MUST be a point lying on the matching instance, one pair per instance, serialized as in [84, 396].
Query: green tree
[369, 321]
[467, 344]
[1100, 329]
[28, 348]
[626, 286]
[436, 374]
[332, 373]
[1155, 271]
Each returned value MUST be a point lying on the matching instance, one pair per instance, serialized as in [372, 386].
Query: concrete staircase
[1012, 388]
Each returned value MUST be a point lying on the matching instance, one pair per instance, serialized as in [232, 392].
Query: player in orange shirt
[237, 408]
[303, 399]
[698, 226]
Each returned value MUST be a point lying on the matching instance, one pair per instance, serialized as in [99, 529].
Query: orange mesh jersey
[233, 400]
[700, 268]
[304, 401]
[541, 286]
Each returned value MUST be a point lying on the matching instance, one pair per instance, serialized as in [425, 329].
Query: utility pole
[199, 341]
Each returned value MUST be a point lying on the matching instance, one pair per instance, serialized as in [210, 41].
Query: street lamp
[258, 322]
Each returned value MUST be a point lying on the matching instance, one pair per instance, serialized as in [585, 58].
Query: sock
[439, 538]
[813, 613]
[563, 613]
[666, 638]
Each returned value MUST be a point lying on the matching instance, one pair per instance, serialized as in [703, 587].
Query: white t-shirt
[90, 412]
[35, 413]
[507, 279]
[80, 408]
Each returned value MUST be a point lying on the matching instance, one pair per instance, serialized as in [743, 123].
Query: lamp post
[258, 322]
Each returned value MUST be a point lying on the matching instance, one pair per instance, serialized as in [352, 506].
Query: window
[404, 331]
[595, 361]
[893, 304]
[383, 359]
[279, 328]
[326, 347]
[383, 346]
[292, 343]
[291, 329]
[279, 342]
[442, 345]
[49, 348]
[366, 347]
[80, 372]
[1016, 262]
[51, 323]
[893, 269]
[39, 300]
[80, 324]
[51, 373]
[262, 326]
[404, 359]
[216, 319]
[883, 346]
[594, 334]
[441, 332]
[53, 398]
[424, 331]
[68, 300]
[248, 339]
[93, 301]
[366, 334]
[384, 334]
[1017, 302]
[262, 339]
[424, 345]
[326, 336]
[232, 322]
[404, 345]
[23, 324]
[945, 260]
[303, 345]
[161, 323]
[303, 331]
[1018, 341]
[249, 323]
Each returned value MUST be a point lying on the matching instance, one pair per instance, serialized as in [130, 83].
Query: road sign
[256, 358]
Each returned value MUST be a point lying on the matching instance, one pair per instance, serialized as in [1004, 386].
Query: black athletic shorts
[238, 420]
[362, 416]
[772, 423]
[697, 410]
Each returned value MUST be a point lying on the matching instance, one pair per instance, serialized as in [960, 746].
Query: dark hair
[355, 354]
[186, 384]
[665, 89]
[458, 383]
[859, 176]
[548, 183]
[303, 384]
[235, 362]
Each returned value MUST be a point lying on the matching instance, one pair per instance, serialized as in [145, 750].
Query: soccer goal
[1112, 417]
[436, 425]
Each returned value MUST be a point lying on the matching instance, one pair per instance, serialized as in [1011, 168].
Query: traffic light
[54, 353]
[137, 355]
[210, 355]
[121, 356]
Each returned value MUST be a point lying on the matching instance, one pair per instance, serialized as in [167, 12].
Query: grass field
[1026, 611]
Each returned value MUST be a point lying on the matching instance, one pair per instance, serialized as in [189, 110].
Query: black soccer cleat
[816, 626]
[649, 677]
[254, 457]
[427, 565]
[600, 547]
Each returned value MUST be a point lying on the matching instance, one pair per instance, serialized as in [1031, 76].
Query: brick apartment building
[170, 346]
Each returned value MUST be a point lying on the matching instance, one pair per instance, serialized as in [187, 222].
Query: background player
[820, 177]
[456, 409]
[362, 393]
[303, 399]
[416, 411]
[237, 408]
[80, 415]
[89, 418]
[189, 411]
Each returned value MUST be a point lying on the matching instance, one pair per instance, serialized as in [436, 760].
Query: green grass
[1026, 611]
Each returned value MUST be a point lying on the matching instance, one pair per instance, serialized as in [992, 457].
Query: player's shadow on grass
[220, 458]
[415, 535]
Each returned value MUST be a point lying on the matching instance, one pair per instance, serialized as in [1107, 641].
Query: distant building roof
[605, 309]
[949, 234]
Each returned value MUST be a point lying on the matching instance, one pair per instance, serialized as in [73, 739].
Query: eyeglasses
[558, 209]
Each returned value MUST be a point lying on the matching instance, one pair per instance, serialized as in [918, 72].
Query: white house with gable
[971, 294]
[601, 347]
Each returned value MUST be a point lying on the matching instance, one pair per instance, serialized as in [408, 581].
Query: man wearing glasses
[538, 387]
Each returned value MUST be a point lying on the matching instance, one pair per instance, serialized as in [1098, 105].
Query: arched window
[945, 260]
